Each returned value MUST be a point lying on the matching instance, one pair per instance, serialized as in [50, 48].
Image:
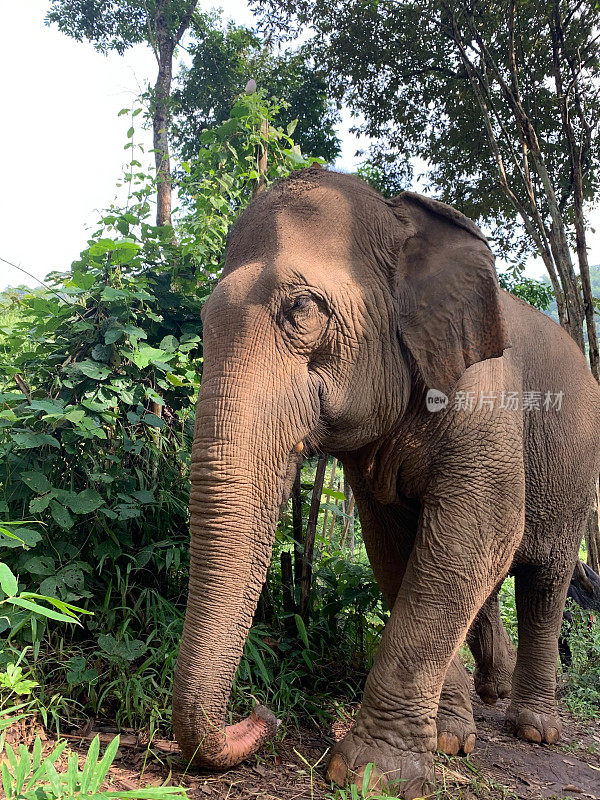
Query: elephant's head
[333, 307]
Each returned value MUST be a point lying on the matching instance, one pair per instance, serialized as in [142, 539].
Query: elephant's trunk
[237, 476]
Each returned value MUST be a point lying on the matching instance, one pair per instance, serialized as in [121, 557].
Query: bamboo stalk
[330, 486]
[349, 512]
[309, 542]
[333, 513]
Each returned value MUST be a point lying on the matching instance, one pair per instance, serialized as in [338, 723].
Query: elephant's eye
[304, 315]
[302, 303]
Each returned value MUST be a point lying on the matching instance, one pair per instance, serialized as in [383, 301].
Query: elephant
[468, 425]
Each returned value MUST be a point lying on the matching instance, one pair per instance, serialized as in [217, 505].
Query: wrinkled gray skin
[337, 310]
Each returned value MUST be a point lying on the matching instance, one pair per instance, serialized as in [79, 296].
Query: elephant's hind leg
[533, 714]
[493, 651]
[456, 731]
[540, 593]
[495, 659]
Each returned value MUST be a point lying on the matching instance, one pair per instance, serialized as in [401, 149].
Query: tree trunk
[164, 41]
[309, 543]
[549, 235]
[297, 528]
[160, 126]
[330, 486]
[592, 534]
[338, 488]
[287, 588]
[349, 526]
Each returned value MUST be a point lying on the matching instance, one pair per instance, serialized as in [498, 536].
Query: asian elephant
[468, 423]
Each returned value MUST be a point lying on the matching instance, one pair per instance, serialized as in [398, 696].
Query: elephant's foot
[532, 725]
[454, 720]
[494, 653]
[409, 772]
[494, 681]
[455, 730]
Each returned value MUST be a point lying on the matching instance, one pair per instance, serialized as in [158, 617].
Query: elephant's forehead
[317, 224]
[297, 234]
[312, 247]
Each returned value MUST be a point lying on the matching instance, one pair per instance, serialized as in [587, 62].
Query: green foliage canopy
[113, 24]
[397, 66]
[224, 59]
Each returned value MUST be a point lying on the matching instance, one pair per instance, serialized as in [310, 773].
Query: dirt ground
[500, 768]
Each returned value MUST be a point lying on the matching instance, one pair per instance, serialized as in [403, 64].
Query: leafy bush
[581, 682]
[99, 374]
[508, 609]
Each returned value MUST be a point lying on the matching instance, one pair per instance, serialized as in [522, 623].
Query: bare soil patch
[292, 767]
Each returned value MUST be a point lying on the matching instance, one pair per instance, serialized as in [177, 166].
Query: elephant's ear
[446, 290]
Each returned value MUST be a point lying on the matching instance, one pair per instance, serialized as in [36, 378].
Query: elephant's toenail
[553, 735]
[469, 744]
[447, 743]
[530, 734]
[337, 771]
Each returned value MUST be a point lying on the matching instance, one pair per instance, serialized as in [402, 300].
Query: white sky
[62, 141]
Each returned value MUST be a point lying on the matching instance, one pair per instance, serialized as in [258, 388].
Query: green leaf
[49, 406]
[174, 380]
[113, 335]
[93, 369]
[302, 630]
[8, 582]
[39, 504]
[27, 537]
[90, 763]
[93, 405]
[26, 440]
[145, 355]
[82, 280]
[169, 344]
[36, 481]
[143, 495]
[110, 293]
[39, 565]
[125, 252]
[153, 421]
[6, 781]
[35, 608]
[135, 332]
[61, 516]
[127, 512]
[75, 416]
[79, 673]
[101, 247]
[149, 793]
[101, 771]
[84, 502]
[100, 352]
[335, 495]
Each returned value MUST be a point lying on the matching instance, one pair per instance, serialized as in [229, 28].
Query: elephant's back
[548, 358]
[561, 408]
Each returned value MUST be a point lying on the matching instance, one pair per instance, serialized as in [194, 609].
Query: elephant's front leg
[389, 533]
[467, 536]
